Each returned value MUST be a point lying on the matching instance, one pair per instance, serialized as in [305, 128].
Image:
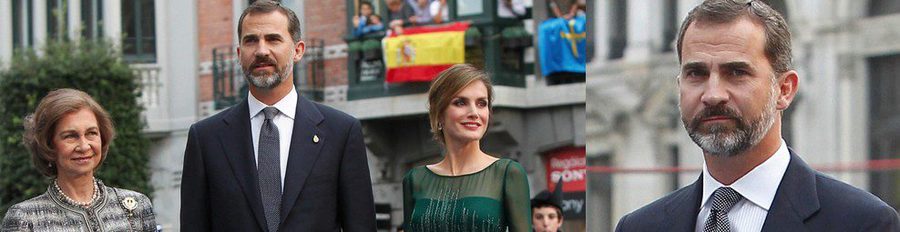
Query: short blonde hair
[445, 86]
[41, 125]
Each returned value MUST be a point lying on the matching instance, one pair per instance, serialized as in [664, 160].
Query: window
[139, 26]
[884, 124]
[618, 34]
[670, 27]
[469, 7]
[22, 24]
[57, 13]
[91, 18]
[883, 7]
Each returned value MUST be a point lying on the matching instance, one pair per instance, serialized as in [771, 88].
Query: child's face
[546, 219]
[365, 10]
[375, 20]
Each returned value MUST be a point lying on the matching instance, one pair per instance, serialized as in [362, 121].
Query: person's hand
[398, 30]
[356, 20]
[413, 19]
[395, 23]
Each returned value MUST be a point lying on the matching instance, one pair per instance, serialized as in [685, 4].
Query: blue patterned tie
[722, 200]
[269, 169]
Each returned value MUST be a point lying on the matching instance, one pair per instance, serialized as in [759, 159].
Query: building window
[884, 124]
[618, 32]
[91, 18]
[883, 7]
[57, 13]
[139, 26]
[469, 7]
[670, 27]
[22, 24]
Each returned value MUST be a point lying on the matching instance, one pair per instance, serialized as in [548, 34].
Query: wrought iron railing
[229, 86]
[312, 84]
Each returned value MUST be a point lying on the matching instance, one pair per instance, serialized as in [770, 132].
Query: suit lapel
[237, 142]
[796, 198]
[683, 208]
[303, 152]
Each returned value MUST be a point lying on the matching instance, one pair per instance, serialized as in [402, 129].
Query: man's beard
[267, 81]
[720, 140]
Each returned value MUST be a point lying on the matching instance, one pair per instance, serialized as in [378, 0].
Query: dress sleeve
[14, 220]
[516, 202]
[408, 200]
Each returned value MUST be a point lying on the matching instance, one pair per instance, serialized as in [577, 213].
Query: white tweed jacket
[117, 210]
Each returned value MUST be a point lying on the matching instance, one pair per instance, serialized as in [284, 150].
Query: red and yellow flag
[420, 53]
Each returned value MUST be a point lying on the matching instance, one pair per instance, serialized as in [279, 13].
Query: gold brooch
[130, 204]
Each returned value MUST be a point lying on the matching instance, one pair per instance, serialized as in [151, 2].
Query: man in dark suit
[736, 78]
[275, 161]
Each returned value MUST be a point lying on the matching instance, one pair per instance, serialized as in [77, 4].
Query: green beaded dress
[494, 199]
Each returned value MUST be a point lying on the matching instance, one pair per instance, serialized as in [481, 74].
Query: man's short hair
[778, 35]
[267, 6]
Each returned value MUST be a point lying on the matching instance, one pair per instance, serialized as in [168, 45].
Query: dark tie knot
[270, 112]
[724, 198]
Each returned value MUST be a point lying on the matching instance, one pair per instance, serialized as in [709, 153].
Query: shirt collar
[757, 186]
[287, 105]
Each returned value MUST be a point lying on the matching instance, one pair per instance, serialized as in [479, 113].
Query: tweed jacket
[116, 210]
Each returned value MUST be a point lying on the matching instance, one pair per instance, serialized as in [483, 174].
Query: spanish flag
[420, 53]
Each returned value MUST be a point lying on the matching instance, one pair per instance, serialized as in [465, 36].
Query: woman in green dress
[468, 190]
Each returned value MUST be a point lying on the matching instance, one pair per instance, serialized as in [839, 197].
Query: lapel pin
[315, 138]
[130, 204]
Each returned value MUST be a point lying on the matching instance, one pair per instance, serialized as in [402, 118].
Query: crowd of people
[407, 13]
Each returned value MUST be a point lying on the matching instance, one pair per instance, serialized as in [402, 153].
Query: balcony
[497, 47]
[230, 86]
[153, 92]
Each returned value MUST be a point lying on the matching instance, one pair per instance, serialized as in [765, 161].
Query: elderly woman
[68, 137]
[468, 190]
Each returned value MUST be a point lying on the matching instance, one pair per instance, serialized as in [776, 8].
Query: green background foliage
[91, 66]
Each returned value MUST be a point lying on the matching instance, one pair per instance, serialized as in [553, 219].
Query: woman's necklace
[78, 203]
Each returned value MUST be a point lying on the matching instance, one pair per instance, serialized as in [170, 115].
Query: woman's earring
[440, 126]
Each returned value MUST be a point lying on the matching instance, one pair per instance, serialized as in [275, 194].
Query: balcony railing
[153, 92]
[496, 46]
[230, 86]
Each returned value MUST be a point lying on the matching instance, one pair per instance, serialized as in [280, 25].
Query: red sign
[568, 163]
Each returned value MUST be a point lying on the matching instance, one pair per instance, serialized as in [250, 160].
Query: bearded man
[275, 161]
[736, 79]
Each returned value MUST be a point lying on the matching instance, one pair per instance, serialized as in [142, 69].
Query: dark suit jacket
[326, 184]
[806, 200]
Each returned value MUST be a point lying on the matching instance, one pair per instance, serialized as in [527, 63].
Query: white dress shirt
[284, 120]
[435, 7]
[758, 189]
